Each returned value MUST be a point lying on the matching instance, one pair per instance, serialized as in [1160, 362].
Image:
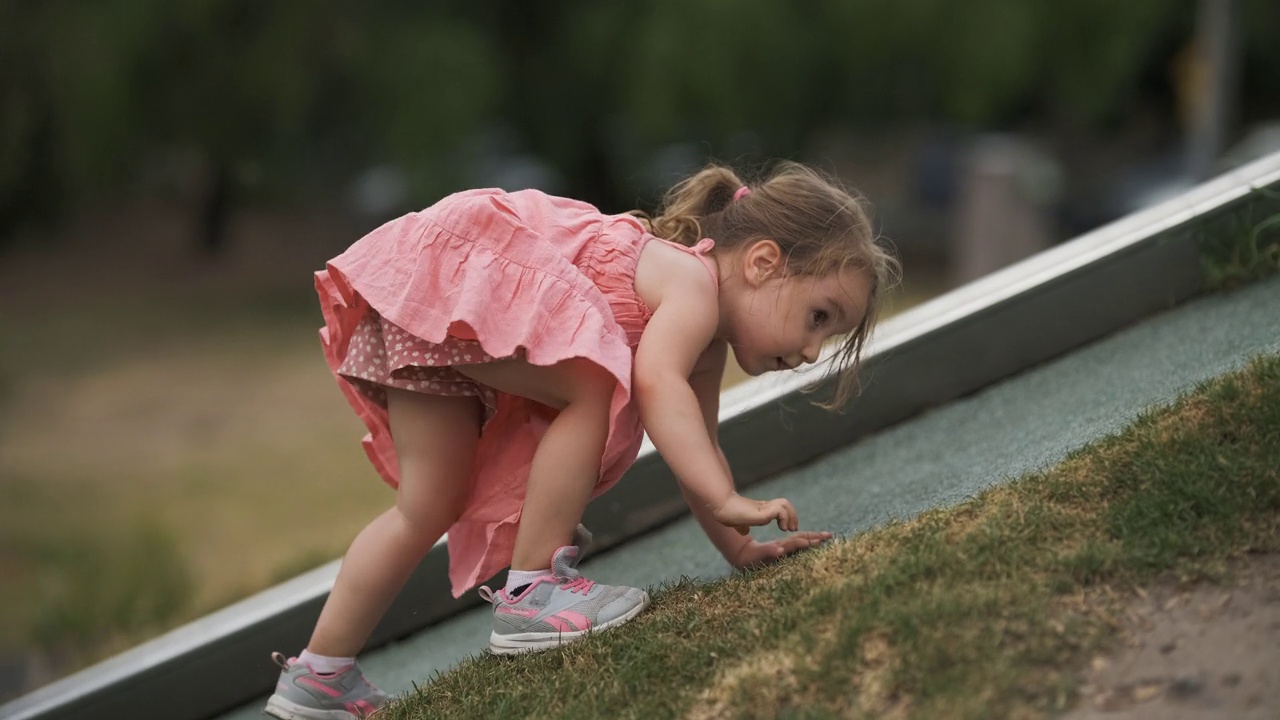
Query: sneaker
[302, 694]
[559, 608]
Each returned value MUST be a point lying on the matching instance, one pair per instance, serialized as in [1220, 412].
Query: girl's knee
[429, 516]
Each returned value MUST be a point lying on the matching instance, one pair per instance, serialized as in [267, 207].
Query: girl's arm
[741, 551]
[705, 381]
[683, 326]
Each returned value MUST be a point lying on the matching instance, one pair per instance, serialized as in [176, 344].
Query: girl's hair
[821, 226]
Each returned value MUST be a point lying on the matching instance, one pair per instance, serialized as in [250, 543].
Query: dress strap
[700, 250]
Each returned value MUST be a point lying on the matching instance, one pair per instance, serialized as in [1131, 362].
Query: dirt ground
[1211, 652]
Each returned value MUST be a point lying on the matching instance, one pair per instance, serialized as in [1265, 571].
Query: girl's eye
[820, 317]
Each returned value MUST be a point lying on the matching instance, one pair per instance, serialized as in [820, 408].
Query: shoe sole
[533, 642]
[286, 709]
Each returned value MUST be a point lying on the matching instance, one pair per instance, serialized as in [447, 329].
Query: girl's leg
[435, 439]
[566, 465]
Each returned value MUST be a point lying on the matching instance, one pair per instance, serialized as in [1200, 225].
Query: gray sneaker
[301, 694]
[559, 608]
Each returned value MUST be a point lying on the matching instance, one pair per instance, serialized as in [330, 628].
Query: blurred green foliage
[94, 590]
[1243, 246]
[292, 98]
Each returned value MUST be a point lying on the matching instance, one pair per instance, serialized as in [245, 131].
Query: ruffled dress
[485, 274]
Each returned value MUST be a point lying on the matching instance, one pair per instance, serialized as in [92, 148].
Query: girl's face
[778, 322]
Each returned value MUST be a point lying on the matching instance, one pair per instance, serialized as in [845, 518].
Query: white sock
[325, 665]
[517, 578]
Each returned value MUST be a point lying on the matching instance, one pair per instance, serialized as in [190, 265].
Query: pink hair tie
[742, 191]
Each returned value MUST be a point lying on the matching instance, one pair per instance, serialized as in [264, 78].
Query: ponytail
[690, 201]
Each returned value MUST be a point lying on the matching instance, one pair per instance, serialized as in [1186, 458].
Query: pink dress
[486, 274]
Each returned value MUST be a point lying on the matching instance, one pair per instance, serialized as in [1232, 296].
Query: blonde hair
[821, 226]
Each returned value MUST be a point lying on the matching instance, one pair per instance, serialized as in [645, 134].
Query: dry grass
[984, 610]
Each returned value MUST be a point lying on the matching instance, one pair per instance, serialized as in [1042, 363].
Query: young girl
[507, 351]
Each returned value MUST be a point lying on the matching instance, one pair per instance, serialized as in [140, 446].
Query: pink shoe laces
[578, 585]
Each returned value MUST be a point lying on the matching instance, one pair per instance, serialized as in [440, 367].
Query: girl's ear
[761, 261]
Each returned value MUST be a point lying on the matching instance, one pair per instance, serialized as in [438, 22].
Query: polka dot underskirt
[383, 355]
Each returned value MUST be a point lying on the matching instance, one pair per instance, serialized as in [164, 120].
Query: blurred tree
[993, 62]
[742, 76]
[561, 61]
[287, 96]
[420, 81]
[228, 82]
[27, 179]
[1261, 73]
[290, 99]
[67, 124]
[300, 93]
[1094, 53]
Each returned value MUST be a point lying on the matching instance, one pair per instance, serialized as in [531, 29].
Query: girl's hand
[740, 513]
[755, 554]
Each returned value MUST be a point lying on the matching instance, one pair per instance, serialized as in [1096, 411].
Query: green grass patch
[987, 609]
[1243, 245]
[98, 594]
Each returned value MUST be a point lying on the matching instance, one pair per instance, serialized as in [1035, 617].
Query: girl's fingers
[798, 542]
[803, 540]
[790, 517]
[778, 513]
[793, 542]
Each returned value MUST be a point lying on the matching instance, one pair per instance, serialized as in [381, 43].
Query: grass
[97, 594]
[983, 610]
[1237, 249]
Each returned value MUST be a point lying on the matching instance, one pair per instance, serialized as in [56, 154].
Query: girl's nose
[811, 354]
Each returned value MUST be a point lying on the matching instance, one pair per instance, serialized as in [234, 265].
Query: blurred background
[171, 174]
